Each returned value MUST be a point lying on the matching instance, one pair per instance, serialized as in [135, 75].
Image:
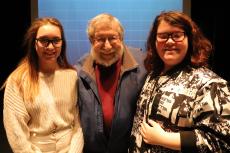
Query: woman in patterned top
[183, 106]
[40, 113]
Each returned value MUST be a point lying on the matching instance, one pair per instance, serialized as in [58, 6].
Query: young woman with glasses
[40, 113]
[183, 106]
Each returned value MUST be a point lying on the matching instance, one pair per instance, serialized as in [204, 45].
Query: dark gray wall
[14, 22]
[212, 18]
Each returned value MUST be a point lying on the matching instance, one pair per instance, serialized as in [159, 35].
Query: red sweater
[107, 80]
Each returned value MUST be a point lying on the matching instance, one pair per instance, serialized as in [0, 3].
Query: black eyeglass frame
[45, 42]
[172, 35]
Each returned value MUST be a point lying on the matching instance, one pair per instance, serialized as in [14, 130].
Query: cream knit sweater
[48, 124]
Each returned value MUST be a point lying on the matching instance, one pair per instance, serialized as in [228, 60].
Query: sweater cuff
[188, 141]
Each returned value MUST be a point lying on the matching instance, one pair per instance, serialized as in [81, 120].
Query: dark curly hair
[199, 47]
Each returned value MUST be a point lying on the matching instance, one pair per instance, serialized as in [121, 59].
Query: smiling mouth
[52, 54]
[108, 53]
[170, 49]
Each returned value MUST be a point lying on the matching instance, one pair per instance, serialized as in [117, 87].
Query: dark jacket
[130, 83]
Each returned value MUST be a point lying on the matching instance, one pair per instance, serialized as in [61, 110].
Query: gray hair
[106, 19]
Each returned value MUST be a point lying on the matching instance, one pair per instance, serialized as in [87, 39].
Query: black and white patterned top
[194, 102]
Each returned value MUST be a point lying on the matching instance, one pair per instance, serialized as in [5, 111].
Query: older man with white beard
[110, 79]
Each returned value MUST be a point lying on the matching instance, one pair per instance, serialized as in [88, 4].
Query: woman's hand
[154, 134]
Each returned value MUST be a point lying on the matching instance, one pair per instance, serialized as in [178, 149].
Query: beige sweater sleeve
[15, 118]
[77, 141]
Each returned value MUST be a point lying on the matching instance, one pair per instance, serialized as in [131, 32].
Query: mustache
[108, 52]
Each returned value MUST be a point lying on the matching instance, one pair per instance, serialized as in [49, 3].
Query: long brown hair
[26, 73]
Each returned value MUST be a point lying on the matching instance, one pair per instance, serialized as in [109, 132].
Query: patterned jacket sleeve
[211, 116]
[15, 119]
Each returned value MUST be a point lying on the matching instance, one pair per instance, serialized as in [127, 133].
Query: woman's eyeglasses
[175, 36]
[44, 42]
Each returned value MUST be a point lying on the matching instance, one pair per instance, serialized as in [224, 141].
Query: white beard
[99, 60]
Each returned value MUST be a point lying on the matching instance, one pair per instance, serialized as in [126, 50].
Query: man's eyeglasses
[175, 36]
[56, 42]
[102, 40]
